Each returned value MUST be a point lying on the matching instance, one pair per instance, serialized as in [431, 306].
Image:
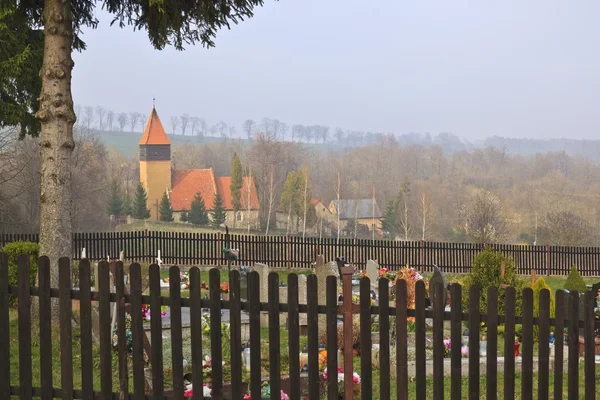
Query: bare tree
[185, 120]
[425, 214]
[110, 120]
[122, 119]
[324, 130]
[338, 193]
[88, 117]
[405, 221]
[174, 124]
[339, 134]
[565, 228]
[202, 129]
[78, 115]
[249, 198]
[144, 120]
[194, 121]
[248, 128]
[232, 131]
[101, 112]
[305, 207]
[271, 200]
[483, 218]
[134, 117]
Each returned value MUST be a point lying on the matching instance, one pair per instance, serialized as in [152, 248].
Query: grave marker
[437, 277]
[322, 271]
[372, 271]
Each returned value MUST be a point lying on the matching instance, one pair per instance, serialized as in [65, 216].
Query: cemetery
[411, 328]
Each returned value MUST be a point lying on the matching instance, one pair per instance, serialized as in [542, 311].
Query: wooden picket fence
[185, 248]
[101, 301]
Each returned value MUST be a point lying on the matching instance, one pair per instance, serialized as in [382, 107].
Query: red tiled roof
[315, 201]
[187, 182]
[224, 189]
[154, 133]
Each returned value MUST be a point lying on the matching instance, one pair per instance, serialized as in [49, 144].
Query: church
[158, 177]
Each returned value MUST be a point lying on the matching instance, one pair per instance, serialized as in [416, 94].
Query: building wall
[156, 178]
[370, 222]
[242, 221]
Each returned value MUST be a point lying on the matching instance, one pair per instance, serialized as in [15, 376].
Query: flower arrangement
[146, 316]
[464, 351]
[266, 392]
[206, 391]
[384, 272]
[411, 276]
[340, 379]
[356, 299]
[224, 287]
[185, 280]
[447, 347]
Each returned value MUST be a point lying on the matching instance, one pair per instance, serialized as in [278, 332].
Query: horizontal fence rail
[206, 249]
[129, 367]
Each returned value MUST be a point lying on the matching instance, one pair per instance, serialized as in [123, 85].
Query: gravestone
[372, 271]
[322, 271]
[435, 279]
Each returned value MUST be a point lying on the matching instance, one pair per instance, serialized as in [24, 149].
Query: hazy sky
[511, 68]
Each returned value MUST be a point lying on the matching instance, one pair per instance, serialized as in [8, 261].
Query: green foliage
[538, 285]
[392, 221]
[13, 250]
[139, 209]
[198, 214]
[486, 271]
[218, 212]
[575, 281]
[165, 210]
[115, 205]
[293, 196]
[236, 183]
[127, 205]
[184, 217]
[21, 53]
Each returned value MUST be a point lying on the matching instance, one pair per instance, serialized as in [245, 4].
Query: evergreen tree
[184, 217]
[236, 184]
[127, 205]
[139, 210]
[198, 214]
[218, 212]
[115, 204]
[165, 211]
[390, 221]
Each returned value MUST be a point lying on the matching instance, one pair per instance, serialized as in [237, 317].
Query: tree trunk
[56, 145]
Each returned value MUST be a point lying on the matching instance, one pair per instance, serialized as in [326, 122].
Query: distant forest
[432, 187]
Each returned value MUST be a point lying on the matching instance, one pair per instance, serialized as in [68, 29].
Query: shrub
[485, 272]
[575, 281]
[13, 251]
[540, 284]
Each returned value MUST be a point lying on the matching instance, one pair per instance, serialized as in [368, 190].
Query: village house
[362, 211]
[158, 176]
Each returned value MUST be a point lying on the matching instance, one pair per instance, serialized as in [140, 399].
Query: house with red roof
[158, 177]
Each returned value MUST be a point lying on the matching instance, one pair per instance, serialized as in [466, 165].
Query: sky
[477, 69]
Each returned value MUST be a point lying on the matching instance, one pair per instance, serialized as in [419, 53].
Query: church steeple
[155, 161]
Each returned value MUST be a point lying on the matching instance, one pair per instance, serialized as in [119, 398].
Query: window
[239, 216]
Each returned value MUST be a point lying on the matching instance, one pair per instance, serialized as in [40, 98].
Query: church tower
[155, 162]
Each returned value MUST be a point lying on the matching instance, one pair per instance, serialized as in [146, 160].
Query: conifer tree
[115, 204]
[198, 214]
[218, 212]
[184, 216]
[236, 184]
[127, 204]
[139, 209]
[165, 211]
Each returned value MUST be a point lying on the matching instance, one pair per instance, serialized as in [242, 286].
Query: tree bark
[56, 145]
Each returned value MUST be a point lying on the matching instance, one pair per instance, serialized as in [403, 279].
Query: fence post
[547, 259]
[346, 273]
[421, 253]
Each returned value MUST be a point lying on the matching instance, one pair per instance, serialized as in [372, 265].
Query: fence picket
[274, 356]
[438, 303]
[119, 279]
[492, 344]
[365, 339]
[105, 334]
[401, 341]
[384, 339]
[66, 331]
[294, 336]
[589, 356]
[255, 357]
[5, 329]
[45, 313]
[235, 320]
[196, 333]
[573, 339]
[474, 325]
[332, 362]
[420, 371]
[544, 348]
[527, 343]
[85, 326]
[312, 302]
[509, 343]
[455, 338]
[216, 341]
[559, 306]
[24, 309]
